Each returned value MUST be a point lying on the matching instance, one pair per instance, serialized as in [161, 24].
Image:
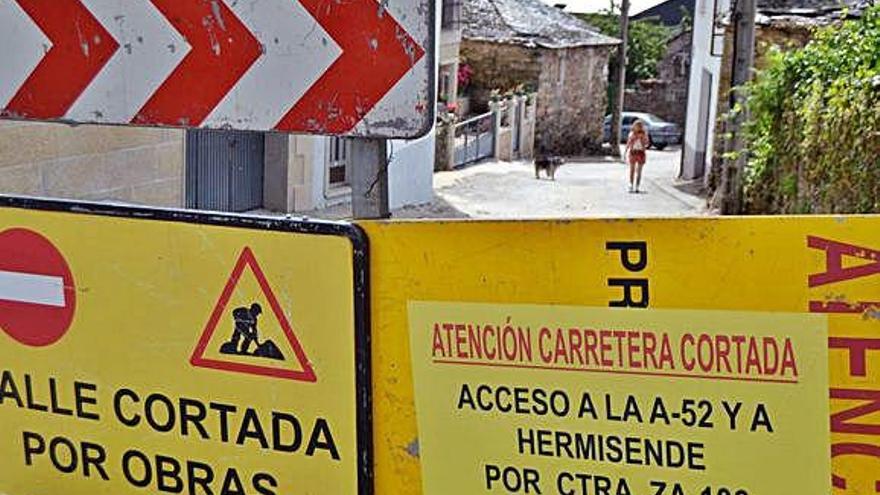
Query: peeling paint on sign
[358, 68]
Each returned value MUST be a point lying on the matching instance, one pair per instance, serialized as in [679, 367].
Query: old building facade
[208, 170]
[528, 46]
[666, 95]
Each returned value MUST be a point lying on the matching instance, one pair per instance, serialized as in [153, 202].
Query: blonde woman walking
[637, 145]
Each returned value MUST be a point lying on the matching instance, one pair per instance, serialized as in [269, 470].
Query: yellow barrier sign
[574, 400]
[516, 356]
[166, 352]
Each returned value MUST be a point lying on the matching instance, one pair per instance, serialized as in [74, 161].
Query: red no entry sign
[37, 293]
[359, 67]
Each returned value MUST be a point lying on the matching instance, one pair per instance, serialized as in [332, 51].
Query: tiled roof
[809, 8]
[529, 23]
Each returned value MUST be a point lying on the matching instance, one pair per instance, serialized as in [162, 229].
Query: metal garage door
[224, 170]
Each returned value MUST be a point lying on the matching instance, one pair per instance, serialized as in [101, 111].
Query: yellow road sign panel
[180, 353]
[572, 400]
[769, 277]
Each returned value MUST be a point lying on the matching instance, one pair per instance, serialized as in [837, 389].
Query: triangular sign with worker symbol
[248, 331]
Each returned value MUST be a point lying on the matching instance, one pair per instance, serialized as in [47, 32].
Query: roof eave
[536, 42]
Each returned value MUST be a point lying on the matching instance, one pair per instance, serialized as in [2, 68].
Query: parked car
[662, 133]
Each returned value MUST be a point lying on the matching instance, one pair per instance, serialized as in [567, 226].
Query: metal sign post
[369, 188]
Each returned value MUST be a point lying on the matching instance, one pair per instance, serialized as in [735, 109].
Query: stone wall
[98, 163]
[666, 96]
[444, 146]
[512, 130]
[571, 100]
[570, 84]
[498, 66]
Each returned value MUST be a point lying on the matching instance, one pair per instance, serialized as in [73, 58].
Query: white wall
[702, 59]
[320, 198]
[411, 171]
[411, 167]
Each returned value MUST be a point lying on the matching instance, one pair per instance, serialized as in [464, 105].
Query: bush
[813, 135]
[647, 43]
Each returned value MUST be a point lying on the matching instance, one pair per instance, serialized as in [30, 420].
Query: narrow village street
[583, 188]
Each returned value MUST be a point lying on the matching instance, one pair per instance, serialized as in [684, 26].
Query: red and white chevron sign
[355, 67]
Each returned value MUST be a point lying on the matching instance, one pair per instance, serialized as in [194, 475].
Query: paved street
[585, 188]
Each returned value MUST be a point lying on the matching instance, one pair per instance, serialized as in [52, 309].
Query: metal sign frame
[360, 283]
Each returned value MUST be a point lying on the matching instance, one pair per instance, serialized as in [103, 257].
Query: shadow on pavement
[693, 187]
[439, 208]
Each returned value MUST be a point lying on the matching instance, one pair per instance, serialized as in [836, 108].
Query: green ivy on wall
[813, 135]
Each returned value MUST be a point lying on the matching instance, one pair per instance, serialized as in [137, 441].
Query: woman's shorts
[637, 157]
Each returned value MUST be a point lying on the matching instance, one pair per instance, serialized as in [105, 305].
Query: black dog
[548, 164]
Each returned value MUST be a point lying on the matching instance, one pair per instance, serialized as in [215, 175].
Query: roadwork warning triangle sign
[251, 340]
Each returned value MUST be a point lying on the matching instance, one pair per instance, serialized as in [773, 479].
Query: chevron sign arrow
[341, 67]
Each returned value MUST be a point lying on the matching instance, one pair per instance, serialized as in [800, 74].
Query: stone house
[666, 95]
[527, 44]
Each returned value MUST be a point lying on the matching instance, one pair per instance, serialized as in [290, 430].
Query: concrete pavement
[594, 187]
[583, 188]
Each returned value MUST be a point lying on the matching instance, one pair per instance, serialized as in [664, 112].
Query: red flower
[465, 72]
